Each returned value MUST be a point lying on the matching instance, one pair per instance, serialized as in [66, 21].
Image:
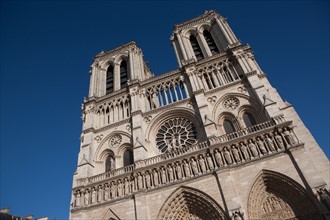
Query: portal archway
[190, 204]
[276, 196]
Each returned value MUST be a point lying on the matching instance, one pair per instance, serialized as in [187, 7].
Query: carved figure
[170, 173]
[209, 161]
[194, 167]
[244, 151]
[148, 179]
[106, 193]
[288, 137]
[253, 149]
[202, 164]
[93, 195]
[178, 170]
[113, 190]
[77, 202]
[186, 168]
[140, 182]
[163, 175]
[218, 158]
[100, 194]
[324, 197]
[227, 156]
[279, 140]
[270, 143]
[155, 175]
[236, 154]
[261, 146]
[126, 186]
[86, 198]
[120, 188]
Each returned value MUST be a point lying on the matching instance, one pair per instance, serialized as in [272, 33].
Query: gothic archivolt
[112, 142]
[276, 196]
[189, 203]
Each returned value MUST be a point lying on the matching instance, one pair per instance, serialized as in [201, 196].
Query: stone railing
[185, 163]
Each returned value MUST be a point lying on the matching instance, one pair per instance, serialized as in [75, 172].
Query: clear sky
[47, 48]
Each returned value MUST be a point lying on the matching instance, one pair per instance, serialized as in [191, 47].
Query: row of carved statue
[187, 167]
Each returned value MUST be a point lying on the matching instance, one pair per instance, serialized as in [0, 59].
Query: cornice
[105, 55]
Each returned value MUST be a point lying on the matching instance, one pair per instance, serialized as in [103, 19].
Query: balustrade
[184, 163]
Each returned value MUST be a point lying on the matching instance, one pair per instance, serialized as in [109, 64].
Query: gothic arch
[244, 100]
[116, 138]
[276, 196]
[189, 203]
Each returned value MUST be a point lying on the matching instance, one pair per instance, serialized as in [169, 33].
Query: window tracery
[175, 133]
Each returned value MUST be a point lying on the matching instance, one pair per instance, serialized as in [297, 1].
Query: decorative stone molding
[115, 140]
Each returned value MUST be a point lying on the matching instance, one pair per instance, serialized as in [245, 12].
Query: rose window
[176, 133]
[231, 103]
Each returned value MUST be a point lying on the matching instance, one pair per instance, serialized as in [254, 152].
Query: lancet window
[109, 82]
[228, 126]
[123, 74]
[249, 119]
[128, 157]
[196, 48]
[210, 42]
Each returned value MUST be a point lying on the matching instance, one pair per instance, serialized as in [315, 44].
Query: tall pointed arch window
[196, 48]
[109, 163]
[228, 126]
[109, 85]
[128, 157]
[249, 119]
[123, 74]
[210, 42]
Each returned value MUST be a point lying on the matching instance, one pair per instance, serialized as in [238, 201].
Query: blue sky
[47, 49]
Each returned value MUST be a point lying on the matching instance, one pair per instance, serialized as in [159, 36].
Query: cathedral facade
[210, 140]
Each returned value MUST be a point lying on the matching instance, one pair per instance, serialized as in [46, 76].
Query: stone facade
[210, 140]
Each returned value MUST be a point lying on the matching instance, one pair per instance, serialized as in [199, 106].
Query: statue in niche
[209, 161]
[178, 170]
[77, 200]
[163, 175]
[201, 162]
[270, 143]
[86, 197]
[261, 145]
[227, 156]
[148, 179]
[244, 151]
[324, 197]
[186, 168]
[288, 137]
[218, 158]
[194, 167]
[235, 154]
[140, 182]
[279, 140]
[126, 186]
[253, 149]
[155, 176]
[170, 173]
[113, 190]
[93, 195]
[120, 188]
[106, 193]
[100, 194]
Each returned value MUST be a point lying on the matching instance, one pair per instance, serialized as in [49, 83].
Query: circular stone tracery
[175, 133]
[231, 103]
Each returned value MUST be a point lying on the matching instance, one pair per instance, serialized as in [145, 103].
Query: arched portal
[190, 204]
[276, 196]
